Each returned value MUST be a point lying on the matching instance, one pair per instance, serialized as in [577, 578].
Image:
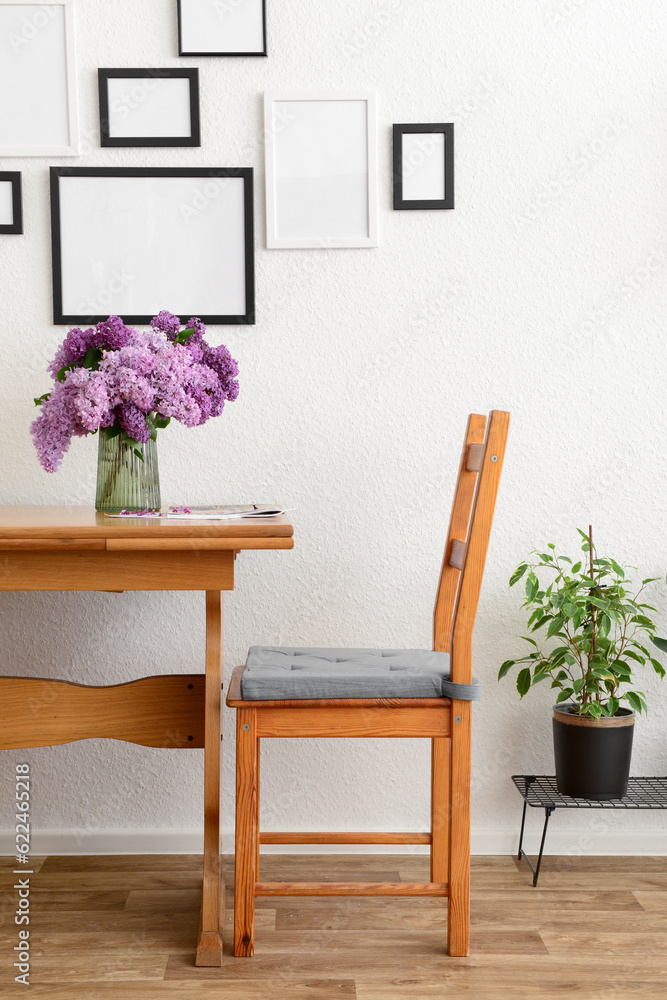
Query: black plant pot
[592, 755]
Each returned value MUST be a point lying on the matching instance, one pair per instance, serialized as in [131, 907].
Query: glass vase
[124, 482]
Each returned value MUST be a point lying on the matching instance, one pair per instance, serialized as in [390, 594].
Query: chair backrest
[468, 539]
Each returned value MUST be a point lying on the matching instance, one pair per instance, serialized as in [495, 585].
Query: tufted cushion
[280, 673]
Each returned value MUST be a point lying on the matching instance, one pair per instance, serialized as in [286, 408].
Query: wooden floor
[125, 927]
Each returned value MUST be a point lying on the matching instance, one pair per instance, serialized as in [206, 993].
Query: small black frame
[246, 173]
[15, 227]
[182, 52]
[104, 75]
[448, 201]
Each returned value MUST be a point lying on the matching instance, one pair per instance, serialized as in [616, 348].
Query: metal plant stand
[541, 791]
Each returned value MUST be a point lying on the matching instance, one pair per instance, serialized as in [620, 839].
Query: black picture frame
[447, 129]
[15, 227]
[183, 52]
[192, 75]
[215, 174]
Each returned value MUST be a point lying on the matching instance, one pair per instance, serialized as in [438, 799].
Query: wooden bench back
[468, 539]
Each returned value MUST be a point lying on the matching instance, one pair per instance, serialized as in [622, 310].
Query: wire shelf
[540, 790]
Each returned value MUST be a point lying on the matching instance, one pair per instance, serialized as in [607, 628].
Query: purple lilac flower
[167, 323]
[194, 323]
[139, 373]
[133, 422]
[55, 426]
[91, 404]
[72, 349]
[225, 367]
[112, 333]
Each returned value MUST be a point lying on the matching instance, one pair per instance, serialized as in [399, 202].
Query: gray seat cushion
[281, 672]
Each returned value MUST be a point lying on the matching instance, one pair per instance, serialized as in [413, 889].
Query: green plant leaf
[42, 399]
[634, 700]
[618, 570]
[658, 667]
[532, 586]
[595, 710]
[564, 695]
[555, 626]
[524, 681]
[660, 643]
[518, 573]
[527, 638]
[506, 666]
[162, 422]
[539, 677]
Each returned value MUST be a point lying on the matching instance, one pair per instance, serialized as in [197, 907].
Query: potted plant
[598, 629]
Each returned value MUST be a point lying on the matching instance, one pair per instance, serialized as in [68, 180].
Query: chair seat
[276, 673]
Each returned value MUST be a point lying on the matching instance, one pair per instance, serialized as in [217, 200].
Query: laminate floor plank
[124, 928]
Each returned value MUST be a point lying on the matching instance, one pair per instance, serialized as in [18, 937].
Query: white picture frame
[38, 111]
[132, 241]
[321, 169]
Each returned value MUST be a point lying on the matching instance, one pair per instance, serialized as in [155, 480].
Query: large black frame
[264, 52]
[104, 75]
[62, 319]
[15, 227]
[447, 129]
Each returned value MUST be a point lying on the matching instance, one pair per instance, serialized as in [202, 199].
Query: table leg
[209, 945]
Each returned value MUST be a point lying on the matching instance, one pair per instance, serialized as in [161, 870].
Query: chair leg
[247, 834]
[458, 915]
[439, 809]
[258, 801]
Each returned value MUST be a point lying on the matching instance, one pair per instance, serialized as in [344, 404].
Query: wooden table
[75, 548]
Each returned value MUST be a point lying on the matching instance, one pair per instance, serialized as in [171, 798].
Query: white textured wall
[543, 292]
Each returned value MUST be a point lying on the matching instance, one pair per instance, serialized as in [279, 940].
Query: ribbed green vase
[124, 482]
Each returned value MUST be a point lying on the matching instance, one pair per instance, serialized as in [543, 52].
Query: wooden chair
[446, 721]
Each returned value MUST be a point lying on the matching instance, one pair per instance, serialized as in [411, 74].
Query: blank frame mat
[222, 26]
[423, 162]
[6, 203]
[149, 107]
[33, 77]
[320, 151]
[136, 245]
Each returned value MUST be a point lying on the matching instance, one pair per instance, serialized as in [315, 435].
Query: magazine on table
[210, 512]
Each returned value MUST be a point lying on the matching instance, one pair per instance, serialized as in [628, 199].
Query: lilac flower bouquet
[127, 384]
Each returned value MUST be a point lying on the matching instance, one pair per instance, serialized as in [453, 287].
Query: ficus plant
[589, 630]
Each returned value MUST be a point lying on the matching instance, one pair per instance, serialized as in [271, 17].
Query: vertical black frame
[15, 227]
[447, 129]
[192, 75]
[246, 173]
[228, 55]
